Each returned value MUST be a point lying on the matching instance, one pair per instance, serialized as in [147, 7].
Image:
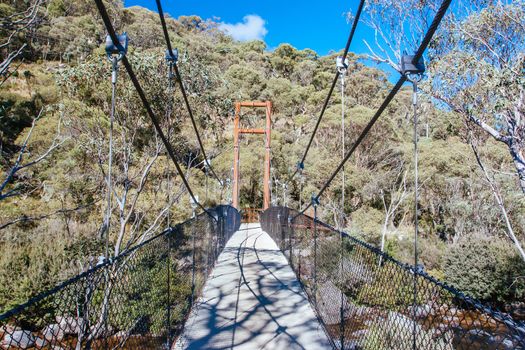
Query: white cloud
[252, 27]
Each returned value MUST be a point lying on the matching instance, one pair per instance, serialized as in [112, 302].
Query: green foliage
[16, 113]
[74, 78]
[6, 10]
[57, 8]
[369, 221]
[398, 298]
[485, 268]
[38, 257]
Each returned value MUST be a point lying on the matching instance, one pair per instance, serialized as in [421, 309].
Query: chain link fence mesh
[137, 300]
[368, 300]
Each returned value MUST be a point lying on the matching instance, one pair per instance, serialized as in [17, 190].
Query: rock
[9, 329]
[99, 331]
[19, 339]
[453, 311]
[517, 310]
[53, 332]
[420, 311]
[69, 325]
[452, 321]
[443, 327]
[329, 302]
[401, 321]
[443, 309]
[352, 345]
[476, 323]
[121, 334]
[356, 272]
[361, 334]
[358, 311]
[184, 263]
[507, 344]
[398, 330]
[40, 343]
[478, 336]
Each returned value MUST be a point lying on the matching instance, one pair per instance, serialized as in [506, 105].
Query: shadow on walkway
[252, 300]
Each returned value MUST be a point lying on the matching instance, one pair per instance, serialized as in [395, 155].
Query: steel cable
[332, 87]
[419, 53]
[415, 79]
[107, 224]
[183, 90]
[145, 102]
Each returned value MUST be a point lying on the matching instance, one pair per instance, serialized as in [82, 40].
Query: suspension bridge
[268, 278]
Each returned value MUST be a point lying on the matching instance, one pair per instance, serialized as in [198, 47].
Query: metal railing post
[315, 202]
[168, 306]
[341, 281]
[290, 230]
[193, 258]
[208, 247]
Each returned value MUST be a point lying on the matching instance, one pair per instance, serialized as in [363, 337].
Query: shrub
[485, 268]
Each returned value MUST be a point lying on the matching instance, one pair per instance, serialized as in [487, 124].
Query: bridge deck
[252, 300]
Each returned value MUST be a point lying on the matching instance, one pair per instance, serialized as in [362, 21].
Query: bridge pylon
[237, 131]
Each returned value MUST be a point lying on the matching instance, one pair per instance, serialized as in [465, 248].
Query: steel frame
[237, 131]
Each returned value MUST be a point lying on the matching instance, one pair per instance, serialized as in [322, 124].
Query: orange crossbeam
[252, 131]
[253, 104]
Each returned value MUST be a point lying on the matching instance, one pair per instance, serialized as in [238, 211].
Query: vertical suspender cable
[315, 203]
[193, 267]
[416, 205]
[341, 228]
[341, 68]
[168, 114]
[440, 14]
[168, 215]
[181, 85]
[168, 303]
[107, 223]
[334, 82]
[111, 31]
[206, 167]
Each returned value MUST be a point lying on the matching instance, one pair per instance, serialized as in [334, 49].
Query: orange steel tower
[267, 132]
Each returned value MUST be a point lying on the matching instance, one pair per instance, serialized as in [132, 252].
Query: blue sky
[318, 25]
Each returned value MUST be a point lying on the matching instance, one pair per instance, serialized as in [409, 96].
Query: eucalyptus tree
[475, 67]
[476, 62]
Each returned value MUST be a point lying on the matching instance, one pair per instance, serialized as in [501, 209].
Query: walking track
[252, 300]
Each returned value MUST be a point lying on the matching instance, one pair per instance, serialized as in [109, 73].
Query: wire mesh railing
[368, 300]
[137, 300]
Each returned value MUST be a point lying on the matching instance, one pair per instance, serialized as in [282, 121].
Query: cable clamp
[315, 200]
[119, 49]
[412, 71]
[341, 65]
[172, 56]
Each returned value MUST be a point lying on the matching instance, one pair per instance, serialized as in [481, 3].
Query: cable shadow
[242, 305]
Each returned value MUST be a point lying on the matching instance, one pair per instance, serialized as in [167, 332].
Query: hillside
[53, 227]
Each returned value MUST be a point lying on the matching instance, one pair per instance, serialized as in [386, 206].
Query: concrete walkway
[252, 300]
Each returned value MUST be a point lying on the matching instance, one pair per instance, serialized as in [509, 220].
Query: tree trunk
[501, 205]
[519, 162]
[383, 233]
